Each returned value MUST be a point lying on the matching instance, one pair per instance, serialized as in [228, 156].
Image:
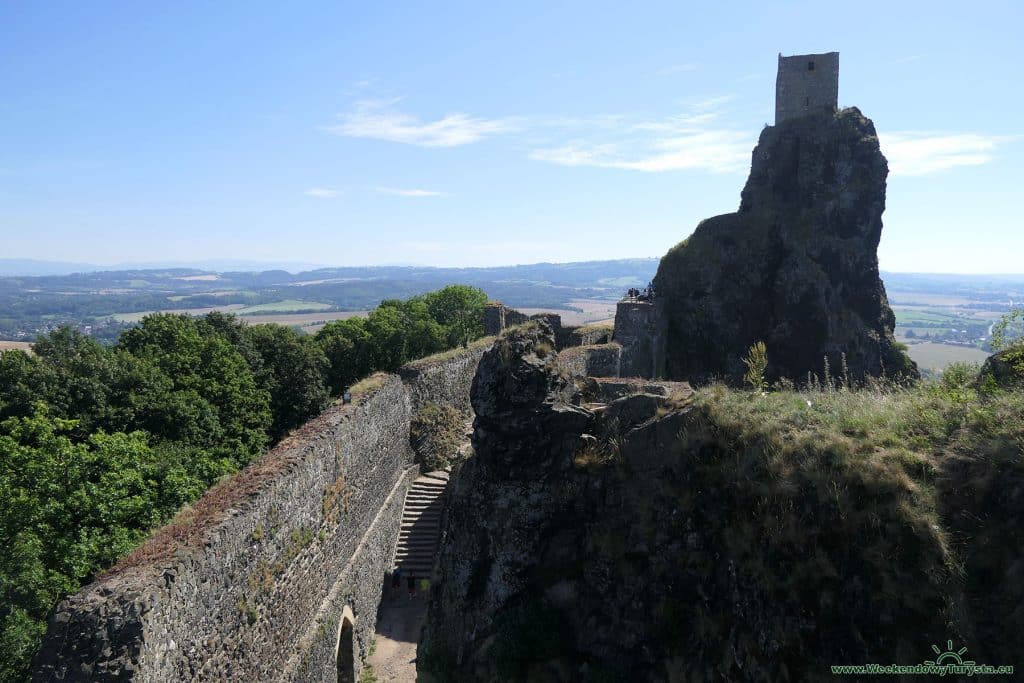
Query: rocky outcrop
[1005, 368]
[796, 267]
[525, 589]
[611, 532]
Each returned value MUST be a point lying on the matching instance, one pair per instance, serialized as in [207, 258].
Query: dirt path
[399, 623]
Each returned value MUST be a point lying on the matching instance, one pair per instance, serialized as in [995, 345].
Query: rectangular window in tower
[810, 66]
[807, 102]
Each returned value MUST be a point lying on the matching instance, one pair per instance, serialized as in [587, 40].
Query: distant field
[909, 317]
[928, 299]
[241, 309]
[136, 317]
[10, 345]
[594, 310]
[310, 322]
[285, 307]
[901, 332]
[938, 356]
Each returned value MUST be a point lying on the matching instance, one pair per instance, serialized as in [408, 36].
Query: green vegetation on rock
[436, 432]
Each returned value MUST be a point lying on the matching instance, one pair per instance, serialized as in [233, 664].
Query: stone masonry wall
[498, 316]
[433, 381]
[586, 335]
[806, 84]
[595, 360]
[250, 584]
[494, 318]
[314, 660]
[638, 329]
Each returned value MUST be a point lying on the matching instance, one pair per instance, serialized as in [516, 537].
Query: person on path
[411, 583]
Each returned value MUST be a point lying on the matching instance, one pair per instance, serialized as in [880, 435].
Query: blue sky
[481, 133]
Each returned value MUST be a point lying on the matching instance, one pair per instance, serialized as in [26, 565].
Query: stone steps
[421, 525]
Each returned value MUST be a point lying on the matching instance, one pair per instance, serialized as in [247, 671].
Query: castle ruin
[806, 84]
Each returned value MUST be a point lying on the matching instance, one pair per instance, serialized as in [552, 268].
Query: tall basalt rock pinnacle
[795, 267]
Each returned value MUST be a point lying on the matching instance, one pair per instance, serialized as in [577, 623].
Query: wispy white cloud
[703, 105]
[905, 60]
[692, 141]
[717, 151]
[922, 153]
[323, 193]
[697, 139]
[379, 120]
[677, 69]
[410, 192]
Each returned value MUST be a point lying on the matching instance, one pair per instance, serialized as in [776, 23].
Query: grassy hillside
[888, 518]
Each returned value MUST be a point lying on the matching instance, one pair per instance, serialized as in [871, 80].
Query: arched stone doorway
[346, 655]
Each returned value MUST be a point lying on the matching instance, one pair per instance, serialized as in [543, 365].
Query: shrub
[436, 432]
[757, 364]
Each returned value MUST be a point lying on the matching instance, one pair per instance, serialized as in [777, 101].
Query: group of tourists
[411, 583]
[645, 294]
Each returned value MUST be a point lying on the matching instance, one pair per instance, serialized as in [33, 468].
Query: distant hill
[36, 267]
[24, 266]
[102, 301]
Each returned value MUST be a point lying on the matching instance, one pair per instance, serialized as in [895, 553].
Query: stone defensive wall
[640, 330]
[444, 378]
[272, 570]
[498, 317]
[593, 360]
[587, 335]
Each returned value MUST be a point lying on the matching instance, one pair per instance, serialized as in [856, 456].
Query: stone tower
[806, 84]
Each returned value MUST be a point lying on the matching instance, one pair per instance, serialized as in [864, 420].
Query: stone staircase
[421, 525]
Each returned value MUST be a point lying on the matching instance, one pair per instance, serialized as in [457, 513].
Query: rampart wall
[445, 382]
[639, 329]
[252, 582]
[498, 316]
[593, 360]
[587, 335]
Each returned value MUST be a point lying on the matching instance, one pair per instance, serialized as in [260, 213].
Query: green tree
[293, 372]
[460, 310]
[232, 328]
[423, 335]
[348, 348]
[1001, 337]
[208, 396]
[1012, 348]
[67, 510]
[386, 326]
[24, 379]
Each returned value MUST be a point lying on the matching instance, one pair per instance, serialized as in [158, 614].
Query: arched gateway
[346, 655]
